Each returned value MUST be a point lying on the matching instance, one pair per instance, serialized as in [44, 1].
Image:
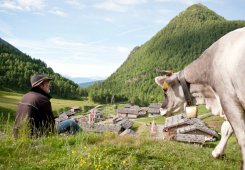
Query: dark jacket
[35, 108]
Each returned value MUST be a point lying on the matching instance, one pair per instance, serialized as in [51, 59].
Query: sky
[92, 38]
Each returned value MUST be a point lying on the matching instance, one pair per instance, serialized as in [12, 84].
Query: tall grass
[109, 151]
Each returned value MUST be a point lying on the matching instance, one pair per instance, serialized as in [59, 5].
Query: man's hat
[38, 78]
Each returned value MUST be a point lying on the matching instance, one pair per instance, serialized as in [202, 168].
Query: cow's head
[174, 97]
[175, 101]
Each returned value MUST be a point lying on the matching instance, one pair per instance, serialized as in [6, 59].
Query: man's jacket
[35, 109]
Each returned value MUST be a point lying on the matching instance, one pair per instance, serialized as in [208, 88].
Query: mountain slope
[16, 68]
[179, 43]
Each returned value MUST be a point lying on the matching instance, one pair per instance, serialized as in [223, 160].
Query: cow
[218, 77]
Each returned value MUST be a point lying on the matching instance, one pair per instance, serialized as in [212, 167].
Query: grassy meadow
[105, 151]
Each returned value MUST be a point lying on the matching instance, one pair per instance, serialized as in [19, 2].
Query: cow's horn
[165, 72]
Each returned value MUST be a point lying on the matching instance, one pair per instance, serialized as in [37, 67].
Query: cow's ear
[160, 80]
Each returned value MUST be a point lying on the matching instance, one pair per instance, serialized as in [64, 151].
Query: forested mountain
[175, 46]
[16, 68]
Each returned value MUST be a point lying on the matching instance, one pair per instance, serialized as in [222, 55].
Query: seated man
[35, 109]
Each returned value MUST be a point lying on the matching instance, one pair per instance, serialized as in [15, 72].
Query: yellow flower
[73, 152]
[82, 161]
[85, 147]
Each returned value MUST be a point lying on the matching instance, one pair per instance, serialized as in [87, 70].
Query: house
[96, 115]
[131, 112]
[75, 109]
[154, 110]
[184, 129]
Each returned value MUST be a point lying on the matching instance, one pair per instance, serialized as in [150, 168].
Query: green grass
[108, 151]
[157, 120]
[104, 151]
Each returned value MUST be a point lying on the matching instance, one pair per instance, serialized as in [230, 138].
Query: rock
[127, 132]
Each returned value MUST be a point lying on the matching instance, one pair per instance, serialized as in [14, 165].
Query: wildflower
[85, 147]
[82, 162]
[95, 148]
[73, 152]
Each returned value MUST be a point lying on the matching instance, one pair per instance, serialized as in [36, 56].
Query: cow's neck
[198, 71]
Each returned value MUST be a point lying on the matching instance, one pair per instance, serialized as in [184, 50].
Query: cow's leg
[236, 116]
[226, 131]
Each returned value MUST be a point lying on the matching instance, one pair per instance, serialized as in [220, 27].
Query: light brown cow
[220, 69]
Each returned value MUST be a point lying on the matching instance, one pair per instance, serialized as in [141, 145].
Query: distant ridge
[87, 84]
[173, 47]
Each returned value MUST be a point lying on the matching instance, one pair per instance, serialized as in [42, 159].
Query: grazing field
[104, 151]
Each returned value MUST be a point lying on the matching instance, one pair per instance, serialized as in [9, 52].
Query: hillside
[16, 68]
[176, 45]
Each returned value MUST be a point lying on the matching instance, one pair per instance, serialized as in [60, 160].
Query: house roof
[134, 110]
[174, 121]
[181, 119]
[202, 128]
[128, 110]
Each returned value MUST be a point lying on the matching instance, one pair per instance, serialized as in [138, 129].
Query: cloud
[111, 6]
[35, 6]
[75, 3]
[22, 5]
[58, 12]
[118, 6]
